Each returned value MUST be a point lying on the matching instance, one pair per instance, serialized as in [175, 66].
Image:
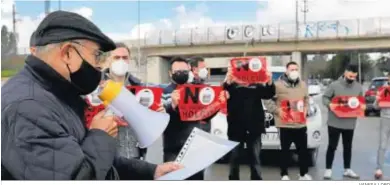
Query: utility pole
[296, 20]
[47, 7]
[305, 10]
[360, 69]
[14, 19]
[59, 4]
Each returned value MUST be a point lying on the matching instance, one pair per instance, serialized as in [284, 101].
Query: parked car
[314, 86]
[271, 140]
[371, 93]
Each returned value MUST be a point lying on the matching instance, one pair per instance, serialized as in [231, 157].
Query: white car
[314, 86]
[270, 140]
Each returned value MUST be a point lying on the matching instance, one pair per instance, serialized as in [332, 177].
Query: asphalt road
[365, 146]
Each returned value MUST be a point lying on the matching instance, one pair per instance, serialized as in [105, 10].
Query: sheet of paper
[201, 150]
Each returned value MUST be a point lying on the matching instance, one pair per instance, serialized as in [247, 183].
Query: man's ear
[65, 52]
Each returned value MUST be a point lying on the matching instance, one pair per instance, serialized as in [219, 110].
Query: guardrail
[333, 29]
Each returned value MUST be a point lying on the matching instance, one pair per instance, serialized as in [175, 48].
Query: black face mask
[349, 81]
[180, 77]
[86, 79]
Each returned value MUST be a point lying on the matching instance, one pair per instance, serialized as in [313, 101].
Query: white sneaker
[378, 174]
[306, 177]
[351, 174]
[328, 174]
[285, 178]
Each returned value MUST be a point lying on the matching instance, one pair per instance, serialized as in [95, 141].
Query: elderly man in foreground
[42, 120]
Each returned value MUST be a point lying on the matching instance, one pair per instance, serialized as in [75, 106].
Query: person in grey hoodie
[384, 135]
[344, 86]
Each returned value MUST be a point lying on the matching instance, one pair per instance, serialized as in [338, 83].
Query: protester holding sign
[42, 118]
[344, 86]
[246, 120]
[384, 134]
[178, 130]
[289, 106]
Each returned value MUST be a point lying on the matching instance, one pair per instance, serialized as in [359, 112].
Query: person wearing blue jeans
[384, 136]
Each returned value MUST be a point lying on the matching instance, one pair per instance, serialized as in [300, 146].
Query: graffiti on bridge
[312, 29]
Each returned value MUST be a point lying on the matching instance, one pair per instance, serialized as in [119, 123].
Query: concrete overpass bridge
[366, 35]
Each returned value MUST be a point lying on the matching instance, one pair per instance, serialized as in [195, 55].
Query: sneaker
[351, 174]
[328, 174]
[306, 177]
[285, 178]
[378, 174]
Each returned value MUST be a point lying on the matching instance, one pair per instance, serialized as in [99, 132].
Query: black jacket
[177, 131]
[43, 136]
[245, 109]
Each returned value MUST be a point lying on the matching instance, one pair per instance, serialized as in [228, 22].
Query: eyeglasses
[117, 57]
[100, 56]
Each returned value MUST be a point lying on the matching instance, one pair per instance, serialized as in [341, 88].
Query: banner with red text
[384, 97]
[293, 111]
[147, 96]
[198, 102]
[249, 70]
[348, 106]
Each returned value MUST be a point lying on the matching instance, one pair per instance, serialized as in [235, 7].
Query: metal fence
[369, 27]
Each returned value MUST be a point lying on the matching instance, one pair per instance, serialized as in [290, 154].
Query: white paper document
[200, 151]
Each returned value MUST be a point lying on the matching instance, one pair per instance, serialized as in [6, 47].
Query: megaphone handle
[112, 111]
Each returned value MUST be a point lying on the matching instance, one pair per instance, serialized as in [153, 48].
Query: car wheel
[313, 156]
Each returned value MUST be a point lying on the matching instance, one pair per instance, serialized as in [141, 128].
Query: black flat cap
[60, 26]
[32, 39]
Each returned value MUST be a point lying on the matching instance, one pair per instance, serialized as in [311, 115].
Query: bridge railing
[332, 29]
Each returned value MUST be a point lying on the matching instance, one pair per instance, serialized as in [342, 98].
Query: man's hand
[161, 108]
[363, 107]
[227, 95]
[332, 106]
[281, 114]
[229, 75]
[106, 123]
[175, 96]
[165, 168]
[222, 96]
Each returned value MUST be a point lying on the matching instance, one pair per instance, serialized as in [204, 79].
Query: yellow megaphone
[147, 124]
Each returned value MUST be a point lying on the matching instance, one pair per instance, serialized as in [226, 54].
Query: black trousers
[299, 138]
[171, 156]
[333, 137]
[254, 148]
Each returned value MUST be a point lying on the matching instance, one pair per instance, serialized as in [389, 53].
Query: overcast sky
[120, 19]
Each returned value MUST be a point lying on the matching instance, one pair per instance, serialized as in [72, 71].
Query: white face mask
[190, 77]
[293, 75]
[119, 67]
[203, 73]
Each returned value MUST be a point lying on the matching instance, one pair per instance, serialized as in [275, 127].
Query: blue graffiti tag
[312, 28]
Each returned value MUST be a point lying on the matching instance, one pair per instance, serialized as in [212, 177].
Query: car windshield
[312, 82]
[375, 84]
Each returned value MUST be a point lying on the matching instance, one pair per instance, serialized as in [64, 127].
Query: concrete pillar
[157, 70]
[301, 59]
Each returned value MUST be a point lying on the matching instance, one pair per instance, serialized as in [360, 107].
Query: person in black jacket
[42, 129]
[246, 121]
[178, 131]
